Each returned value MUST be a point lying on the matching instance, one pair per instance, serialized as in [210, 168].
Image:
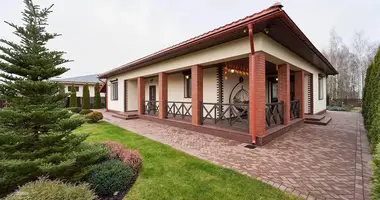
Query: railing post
[201, 117]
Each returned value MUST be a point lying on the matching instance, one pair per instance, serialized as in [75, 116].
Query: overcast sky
[103, 34]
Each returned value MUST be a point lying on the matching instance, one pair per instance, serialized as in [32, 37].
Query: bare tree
[351, 62]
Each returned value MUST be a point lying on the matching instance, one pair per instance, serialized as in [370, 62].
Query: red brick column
[299, 90]
[284, 89]
[163, 94]
[196, 93]
[140, 95]
[257, 125]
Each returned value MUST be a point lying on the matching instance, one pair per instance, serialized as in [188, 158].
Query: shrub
[97, 99]
[110, 177]
[86, 97]
[73, 96]
[94, 117]
[375, 165]
[44, 189]
[75, 109]
[85, 111]
[371, 101]
[337, 108]
[130, 157]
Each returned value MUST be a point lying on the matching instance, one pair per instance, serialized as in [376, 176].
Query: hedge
[371, 115]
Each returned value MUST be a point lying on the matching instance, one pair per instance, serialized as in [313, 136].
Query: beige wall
[132, 95]
[220, 53]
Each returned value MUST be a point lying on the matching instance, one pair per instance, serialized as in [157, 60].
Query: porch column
[140, 95]
[163, 94]
[299, 90]
[257, 125]
[196, 93]
[284, 89]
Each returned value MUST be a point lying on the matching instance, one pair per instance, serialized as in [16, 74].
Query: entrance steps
[317, 119]
[126, 116]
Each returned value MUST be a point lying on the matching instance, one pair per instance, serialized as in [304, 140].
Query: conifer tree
[35, 131]
[97, 101]
[73, 96]
[86, 97]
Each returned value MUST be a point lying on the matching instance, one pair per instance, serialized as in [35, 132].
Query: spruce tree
[35, 131]
[73, 96]
[86, 97]
[97, 101]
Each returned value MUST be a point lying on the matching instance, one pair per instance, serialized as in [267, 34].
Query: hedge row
[371, 115]
[371, 101]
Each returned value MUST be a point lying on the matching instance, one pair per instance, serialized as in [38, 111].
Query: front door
[152, 99]
[152, 93]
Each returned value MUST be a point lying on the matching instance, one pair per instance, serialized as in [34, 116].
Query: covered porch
[253, 96]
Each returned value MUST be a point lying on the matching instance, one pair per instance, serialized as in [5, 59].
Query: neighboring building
[250, 80]
[79, 82]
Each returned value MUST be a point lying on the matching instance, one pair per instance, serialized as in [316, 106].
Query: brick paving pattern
[313, 162]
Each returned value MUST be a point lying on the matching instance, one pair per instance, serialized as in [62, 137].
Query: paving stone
[322, 162]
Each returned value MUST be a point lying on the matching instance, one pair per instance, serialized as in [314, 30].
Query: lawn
[171, 174]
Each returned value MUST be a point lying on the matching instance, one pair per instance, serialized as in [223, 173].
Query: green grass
[171, 174]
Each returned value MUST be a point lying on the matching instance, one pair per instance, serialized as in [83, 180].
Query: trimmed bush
[44, 189]
[110, 177]
[371, 101]
[94, 117]
[130, 157]
[85, 111]
[97, 99]
[73, 96]
[86, 97]
[75, 109]
[337, 108]
[375, 165]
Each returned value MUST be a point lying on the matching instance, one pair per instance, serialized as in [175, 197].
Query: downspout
[106, 85]
[252, 91]
[250, 34]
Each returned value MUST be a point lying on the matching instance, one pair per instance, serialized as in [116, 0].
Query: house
[79, 82]
[250, 80]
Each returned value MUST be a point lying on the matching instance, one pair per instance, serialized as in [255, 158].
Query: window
[320, 88]
[187, 85]
[114, 90]
[76, 88]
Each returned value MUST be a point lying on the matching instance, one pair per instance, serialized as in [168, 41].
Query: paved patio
[313, 162]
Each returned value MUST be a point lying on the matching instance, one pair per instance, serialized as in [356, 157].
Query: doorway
[152, 93]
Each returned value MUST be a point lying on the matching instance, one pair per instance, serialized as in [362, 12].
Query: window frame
[76, 88]
[187, 89]
[114, 90]
[320, 88]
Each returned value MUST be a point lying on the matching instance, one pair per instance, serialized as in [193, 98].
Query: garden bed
[170, 174]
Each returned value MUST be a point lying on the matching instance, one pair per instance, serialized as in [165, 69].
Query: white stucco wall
[132, 95]
[117, 105]
[266, 44]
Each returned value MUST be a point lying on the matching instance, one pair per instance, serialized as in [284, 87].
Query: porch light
[266, 30]
[187, 76]
[276, 79]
